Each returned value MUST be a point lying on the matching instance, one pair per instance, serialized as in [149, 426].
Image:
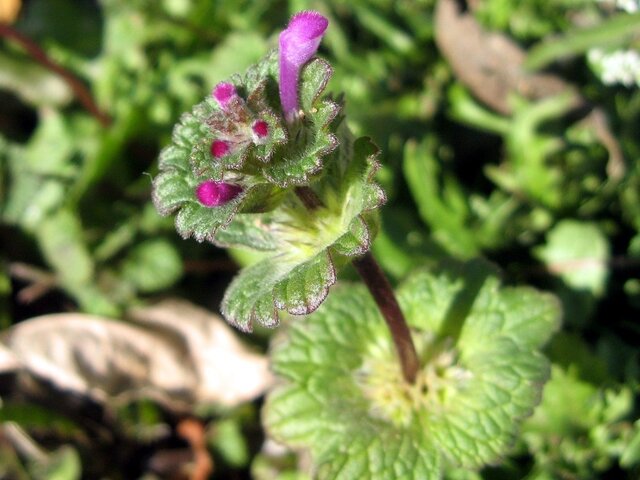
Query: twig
[40, 281]
[193, 431]
[79, 89]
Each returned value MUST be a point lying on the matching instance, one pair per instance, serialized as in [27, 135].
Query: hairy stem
[80, 91]
[382, 292]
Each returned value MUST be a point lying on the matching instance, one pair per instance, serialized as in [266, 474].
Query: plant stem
[382, 292]
[80, 91]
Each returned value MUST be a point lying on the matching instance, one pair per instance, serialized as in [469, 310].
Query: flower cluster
[239, 125]
[235, 152]
[236, 129]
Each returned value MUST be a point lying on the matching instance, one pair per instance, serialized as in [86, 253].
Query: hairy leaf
[307, 247]
[481, 374]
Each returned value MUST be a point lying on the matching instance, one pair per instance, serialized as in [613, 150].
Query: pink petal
[298, 43]
[219, 148]
[261, 128]
[224, 93]
[213, 194]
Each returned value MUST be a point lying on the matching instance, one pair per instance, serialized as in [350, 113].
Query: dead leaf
[177, 354]
[490, 64]
[227, 371]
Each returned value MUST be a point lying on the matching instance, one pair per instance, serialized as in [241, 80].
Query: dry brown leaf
[227, 371]
[178, 355]
[490, 64]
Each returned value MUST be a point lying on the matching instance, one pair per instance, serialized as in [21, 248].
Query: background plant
[531, 188]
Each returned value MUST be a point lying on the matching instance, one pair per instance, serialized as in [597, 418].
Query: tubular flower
[298, 43]
[224, 92]
[213, 194]
[219, 149]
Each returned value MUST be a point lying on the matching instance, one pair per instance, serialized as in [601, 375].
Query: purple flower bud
[219, 149]
[298, 43]
[213, 194]
[260, 128]
[224, 93]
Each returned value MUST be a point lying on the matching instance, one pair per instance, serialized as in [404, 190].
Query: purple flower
[213, 194]
[298, 43]
[219, 149]
[261, 128]
[223, 93]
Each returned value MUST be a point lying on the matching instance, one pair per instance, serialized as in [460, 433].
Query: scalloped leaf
[266, 68]
[247, 231]
[313, 79]
[308, 247]
[174, 189]
[277, 283]
[482, 373]
[201, 223]
[356, 241]
[171, 190]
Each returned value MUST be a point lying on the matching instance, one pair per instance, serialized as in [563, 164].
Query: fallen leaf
[228, 372]
[491, 65]
[175, 353]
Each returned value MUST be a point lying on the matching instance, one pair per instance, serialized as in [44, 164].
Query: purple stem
[382, 292]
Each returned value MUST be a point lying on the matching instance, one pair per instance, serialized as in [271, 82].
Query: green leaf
[481, 374]
[230, 443]
[631, 454]
[380, 26]
[615, 31]
[197, 221]
[443, 208]
[311, 137]
[33, 83]
[578, 253]
[63, 464]
[61, 239]
[306, 247]
[529, 171]
[174, 189]
[579, 428]
[152, 265]
[247, 231]
[259, 290]
[38, 172]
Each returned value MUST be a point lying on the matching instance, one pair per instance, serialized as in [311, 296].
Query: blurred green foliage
[531, 190]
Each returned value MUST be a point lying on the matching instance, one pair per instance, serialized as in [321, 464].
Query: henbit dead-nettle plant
[377, 384]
